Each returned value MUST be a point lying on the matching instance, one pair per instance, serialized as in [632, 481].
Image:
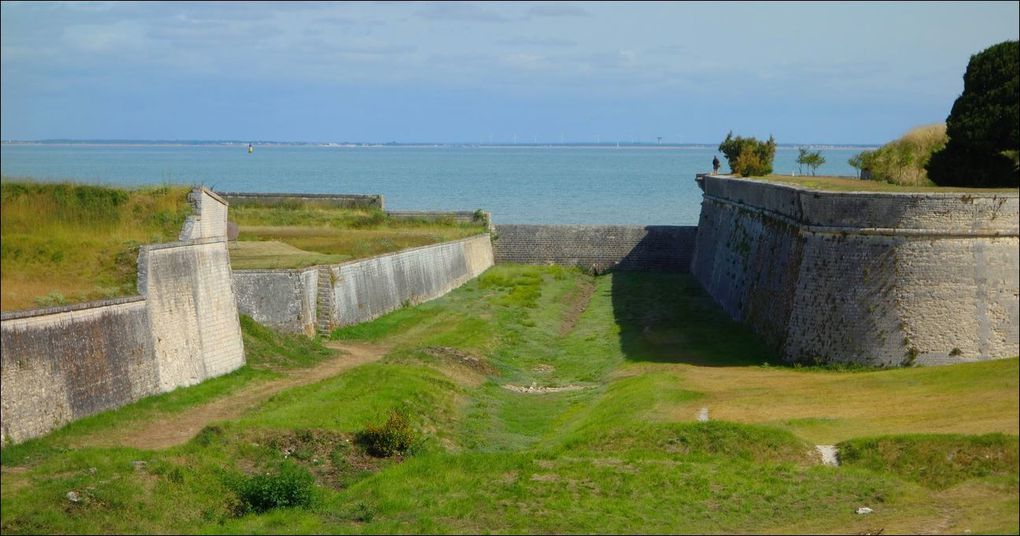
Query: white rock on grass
[864, 510]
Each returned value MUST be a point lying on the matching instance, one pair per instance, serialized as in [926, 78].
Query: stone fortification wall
[598, 247]
[872, 278]
[208, 218]
[62, 364]
[192, 312]
[281, 299]
[325, 297]
[320, 200]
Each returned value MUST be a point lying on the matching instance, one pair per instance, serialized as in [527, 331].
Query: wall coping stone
[948, 195]
[213, 195]
[29, 313]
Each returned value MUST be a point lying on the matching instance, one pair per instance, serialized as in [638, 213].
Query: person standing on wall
[715, 164]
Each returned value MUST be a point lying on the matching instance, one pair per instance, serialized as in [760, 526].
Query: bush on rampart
[748, 157]
[902, 161]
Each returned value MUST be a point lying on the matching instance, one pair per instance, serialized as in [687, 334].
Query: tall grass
[902, 161]
[67, 242]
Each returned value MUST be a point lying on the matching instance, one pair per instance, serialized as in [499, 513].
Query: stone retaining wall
[325, 297]
[64, 363]
[597, 247]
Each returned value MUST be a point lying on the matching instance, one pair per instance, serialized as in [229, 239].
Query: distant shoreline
[360, 145]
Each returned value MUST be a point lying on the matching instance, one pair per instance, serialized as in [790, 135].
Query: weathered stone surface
[324, 297]
[879, 279]
[597, 247]
[62, 364]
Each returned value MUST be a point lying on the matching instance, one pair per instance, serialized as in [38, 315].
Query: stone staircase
[324, 301]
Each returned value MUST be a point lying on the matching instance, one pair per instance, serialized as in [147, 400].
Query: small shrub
[291, 486]
[393, 437]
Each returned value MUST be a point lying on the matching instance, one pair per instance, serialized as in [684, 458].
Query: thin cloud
[461, 12]
[557, 10]
[537, 41]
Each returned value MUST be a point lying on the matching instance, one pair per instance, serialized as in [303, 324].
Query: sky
[462, 72]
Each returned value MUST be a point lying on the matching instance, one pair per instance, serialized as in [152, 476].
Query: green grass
[295, 235]
[623, 452]
[68, 243]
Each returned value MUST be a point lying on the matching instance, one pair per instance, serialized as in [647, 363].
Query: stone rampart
[324, 297]
[281, 299]
[597, 247]
[61, 364]
[319, 200]
[871, 278]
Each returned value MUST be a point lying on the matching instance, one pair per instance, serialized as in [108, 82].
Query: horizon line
[621, 143]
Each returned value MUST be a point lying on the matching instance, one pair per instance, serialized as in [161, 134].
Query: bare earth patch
[180, 427]
[577, 301]
[534, 389]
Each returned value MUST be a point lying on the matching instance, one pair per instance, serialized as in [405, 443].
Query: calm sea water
[590, 185]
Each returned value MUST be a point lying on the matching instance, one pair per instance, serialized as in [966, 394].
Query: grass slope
[295, 235]
[618, 448]
[68, 243]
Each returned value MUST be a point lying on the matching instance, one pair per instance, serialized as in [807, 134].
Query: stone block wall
[208, 218]
[281, 299]
[324, 297]
[598, 247]
[62, 364]
[871, 278]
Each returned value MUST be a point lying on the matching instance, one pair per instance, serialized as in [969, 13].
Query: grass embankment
[295, 235]
[842, 184]
[550, 401]
[68, 243]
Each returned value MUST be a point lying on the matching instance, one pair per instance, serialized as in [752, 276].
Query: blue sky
[475, 72]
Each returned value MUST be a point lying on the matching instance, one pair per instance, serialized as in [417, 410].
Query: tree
[812, 159]
[857, 162]
[983, 124]
[748, 156]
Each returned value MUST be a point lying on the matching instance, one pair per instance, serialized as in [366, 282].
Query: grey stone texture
[62, 364]
[873, 278]
[325, 297]
[322, 200]
[597, 247]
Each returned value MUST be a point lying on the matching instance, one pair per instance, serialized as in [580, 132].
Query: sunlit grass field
[67, 243]
[294, 235]
[608, 439]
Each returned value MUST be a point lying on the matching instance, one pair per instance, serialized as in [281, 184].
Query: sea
[629, 185]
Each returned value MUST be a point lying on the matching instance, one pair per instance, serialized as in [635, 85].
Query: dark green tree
[747, 156]
[983, 124]
[857, 162]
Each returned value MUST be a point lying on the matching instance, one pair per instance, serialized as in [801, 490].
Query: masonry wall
[879, 279]
[62, 364]
[322, 200]
[325, 297]
[598, 247]
[281, 299]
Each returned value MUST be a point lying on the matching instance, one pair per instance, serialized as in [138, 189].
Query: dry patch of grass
[841, 184]
[68, 243]
[826, 407]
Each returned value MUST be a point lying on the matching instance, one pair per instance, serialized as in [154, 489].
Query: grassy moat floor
[544, 400]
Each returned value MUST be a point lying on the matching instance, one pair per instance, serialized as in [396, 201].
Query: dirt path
[178, 428]
[577, 302]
